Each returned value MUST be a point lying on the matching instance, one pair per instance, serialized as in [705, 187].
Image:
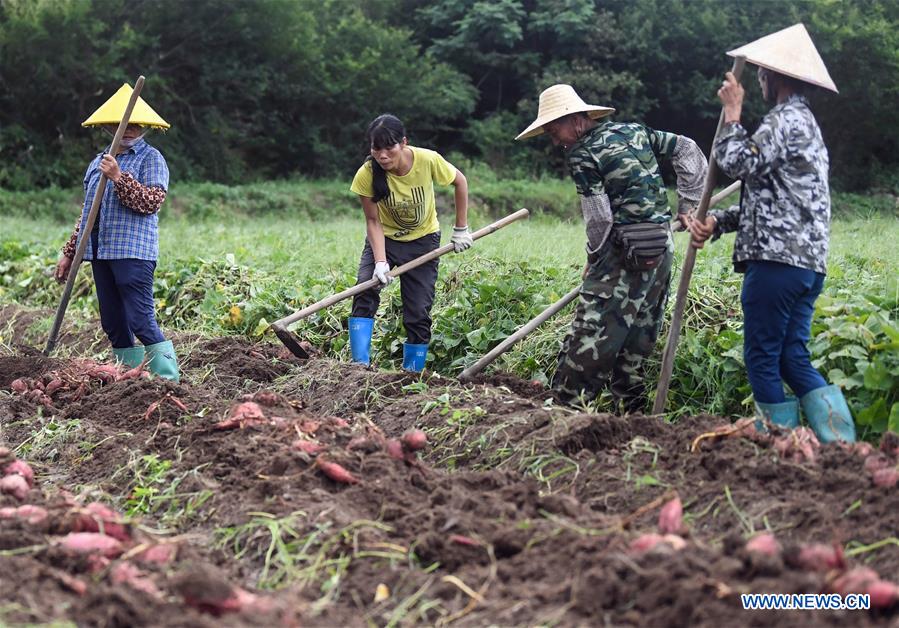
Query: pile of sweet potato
[73, 381]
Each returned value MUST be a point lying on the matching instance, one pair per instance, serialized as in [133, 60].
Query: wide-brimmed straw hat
[112, 110]
[558, 101]
[790, 52]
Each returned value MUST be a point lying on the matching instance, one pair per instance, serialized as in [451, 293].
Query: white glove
[461, 239]
[381, 273]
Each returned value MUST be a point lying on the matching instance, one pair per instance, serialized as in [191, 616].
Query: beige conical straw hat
[790, 52]
[558, 101]
[112, 110]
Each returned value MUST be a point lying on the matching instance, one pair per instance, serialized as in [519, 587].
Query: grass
[234, 277]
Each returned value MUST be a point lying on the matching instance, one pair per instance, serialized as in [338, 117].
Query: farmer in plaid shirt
[124, 243]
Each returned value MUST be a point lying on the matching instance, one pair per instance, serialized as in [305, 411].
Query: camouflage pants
[618, 317]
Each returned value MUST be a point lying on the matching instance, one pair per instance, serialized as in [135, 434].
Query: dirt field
[517, 512]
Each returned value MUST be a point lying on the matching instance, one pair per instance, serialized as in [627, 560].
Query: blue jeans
[778, 303]
[125, 293]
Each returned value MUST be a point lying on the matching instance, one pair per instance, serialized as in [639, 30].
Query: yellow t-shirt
[410, 211]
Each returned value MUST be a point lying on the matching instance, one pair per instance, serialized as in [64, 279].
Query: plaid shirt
[124, 233]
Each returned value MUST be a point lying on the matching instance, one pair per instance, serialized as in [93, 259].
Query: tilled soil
[519, 512]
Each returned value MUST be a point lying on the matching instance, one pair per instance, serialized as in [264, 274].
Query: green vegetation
[236, 276]
[259, 94]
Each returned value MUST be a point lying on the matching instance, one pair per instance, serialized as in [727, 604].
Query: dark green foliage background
[261, 89]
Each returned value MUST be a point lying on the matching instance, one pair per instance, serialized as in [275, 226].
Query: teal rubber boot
[130, 356]
[785, 414]
[163, 361]
[828, 414]
[360, 338]
[414, 357]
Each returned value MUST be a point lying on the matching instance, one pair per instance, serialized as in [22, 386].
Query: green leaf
[893, 422]
[877, 375]
[875, 416]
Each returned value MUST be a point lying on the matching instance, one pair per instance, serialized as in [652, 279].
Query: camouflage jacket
[784, 211]
[615, 167]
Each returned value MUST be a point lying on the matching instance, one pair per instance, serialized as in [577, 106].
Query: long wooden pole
[554, 309]
[91, 219]
[504, 346]
[280, 326]
[661, 397]
[720, 196]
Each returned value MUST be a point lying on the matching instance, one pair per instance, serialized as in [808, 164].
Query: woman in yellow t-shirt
[396, 188]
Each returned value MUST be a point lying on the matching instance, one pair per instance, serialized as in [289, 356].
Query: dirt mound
[518, 512]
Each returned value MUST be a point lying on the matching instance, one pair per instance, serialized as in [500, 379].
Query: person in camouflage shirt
[783, 226]
[615, 168]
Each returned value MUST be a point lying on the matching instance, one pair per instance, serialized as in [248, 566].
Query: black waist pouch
[643, 244]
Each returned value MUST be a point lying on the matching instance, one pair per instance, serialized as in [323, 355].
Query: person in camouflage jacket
[615, 168]
[783, 227]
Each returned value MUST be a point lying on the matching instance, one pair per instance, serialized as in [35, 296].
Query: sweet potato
[394, 449]
[19, 385]
[413, 440]
[360, 442]
[20, 467]
[97, 517]
[818, 557]
[104, 372]
[136, 373]
[460, 539]
[645, 542]
[677, 543]
[14, 485]
[875, 462]
[883, 594]
[161, 554]
[856, 580]
[764, 543]
[92, 543]
[886, 478]
[337, 422]
[31, 514]
[242, 415]
[798, 445]
[239, 600]
[309, 426]
[310, 447]
[53, 386]
[73, 584]
[653, 541]
[336, 472]
[128, 574]
[671, 517]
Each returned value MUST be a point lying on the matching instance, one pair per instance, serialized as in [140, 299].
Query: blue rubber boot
[414, 357]
[360, 338]
[129, 356]
[163, 361]
[828, 414]
[785, 414]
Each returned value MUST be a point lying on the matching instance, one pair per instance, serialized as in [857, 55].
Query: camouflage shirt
[784, 211]
[615, 167]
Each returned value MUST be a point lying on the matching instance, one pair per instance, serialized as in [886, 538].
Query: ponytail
[384, 131]
[378, 181]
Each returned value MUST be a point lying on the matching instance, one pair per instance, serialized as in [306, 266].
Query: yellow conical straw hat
[790, 52]
[112, 110]
[558, 101]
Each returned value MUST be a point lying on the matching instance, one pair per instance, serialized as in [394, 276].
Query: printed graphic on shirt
[407, 214]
